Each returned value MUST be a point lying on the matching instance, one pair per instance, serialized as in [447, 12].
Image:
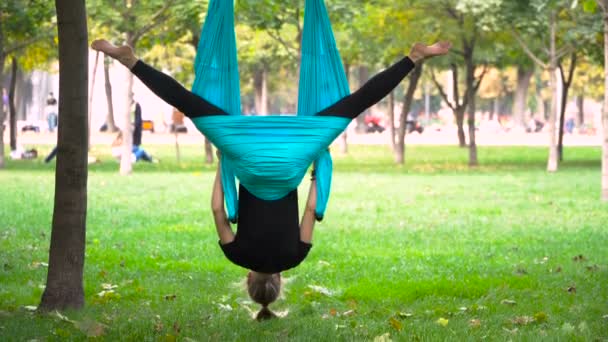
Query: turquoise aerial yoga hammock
[270, 155]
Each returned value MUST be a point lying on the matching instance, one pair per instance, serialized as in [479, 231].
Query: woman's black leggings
[350, 106]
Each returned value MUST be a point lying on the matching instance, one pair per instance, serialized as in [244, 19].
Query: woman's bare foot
[421, 51]
[123, 54]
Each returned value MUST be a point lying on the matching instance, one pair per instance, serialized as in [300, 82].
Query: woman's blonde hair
[264, 289]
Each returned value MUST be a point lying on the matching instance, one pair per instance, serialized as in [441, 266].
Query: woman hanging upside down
[269, 238]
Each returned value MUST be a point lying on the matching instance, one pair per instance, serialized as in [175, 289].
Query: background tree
[540, 21]
[66, 255]
[21, 26]
[131, 21]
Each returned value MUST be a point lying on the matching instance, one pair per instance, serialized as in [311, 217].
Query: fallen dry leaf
[405, 314]
[508, 302]
[579, 258]
[348, 312]
[383, 338]
[540, 317]
[475, 323]
[443, 322]
[333, 312]
[593, 268]
[395, 323]
[522, 320]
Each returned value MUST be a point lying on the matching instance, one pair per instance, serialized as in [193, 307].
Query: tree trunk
[261, 91]
[521, 95]
[566, 83]
[2, 109]
[344, 135]
[459, 113]
[552, 162]
[64, 287]
[126, 164]
[605, 111]
[108, 86]
[90, 103]
[11, 105]
[407, 104]
[580, 115]
[363, 78]
[472, 104]
[208, 151]
[427, 103]
[391, 119]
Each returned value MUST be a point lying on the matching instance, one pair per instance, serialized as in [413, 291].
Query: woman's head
[264, 289]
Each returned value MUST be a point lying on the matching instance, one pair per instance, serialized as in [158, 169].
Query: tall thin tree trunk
[391, 119]
[11, 105]
[2, 109]
[64, 287]
[552, 162]
[427, 102]
[473, 161]
[344, 135]
[521, 95]
[360, 120]
[580, 115]
[462, 140]
[108, 87]
[604, 6]
[90, 104]
[566, 83]
[472, 107]
[407, 104]
[208, 151]
[126, 164]
[261, 90]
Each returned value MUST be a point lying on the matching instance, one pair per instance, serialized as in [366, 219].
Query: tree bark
[126, 164]
[521, 95]
[552, 162]
[90, 103]
[459, 113]
[108, 87]
[580, 115]
[360, 120]
[344, 135]
[605, 111]
[208, 151]
[260, 84]
[2, 110]
[566, 83]
[470, 93]
[64, 287]
[407, 104]
[11, 105]
[391, 119]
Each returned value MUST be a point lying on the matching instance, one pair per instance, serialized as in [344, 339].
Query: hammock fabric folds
[270, 155]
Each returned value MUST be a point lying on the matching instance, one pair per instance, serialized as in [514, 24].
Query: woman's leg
[161, 84]
[383, 83]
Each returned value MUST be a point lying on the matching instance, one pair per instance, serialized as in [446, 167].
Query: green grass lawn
[430, 251]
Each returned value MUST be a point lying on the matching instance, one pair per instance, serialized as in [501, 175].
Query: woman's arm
[308, 219]
[222, 225]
